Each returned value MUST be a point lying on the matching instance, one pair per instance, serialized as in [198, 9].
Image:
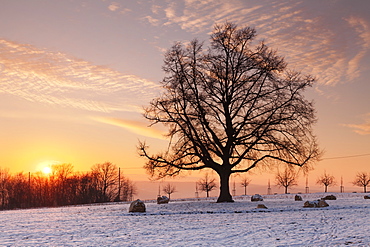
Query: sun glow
[46, 166]
[46, 170]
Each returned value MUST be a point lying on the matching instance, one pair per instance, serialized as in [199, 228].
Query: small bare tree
[362, 180]
[244, 183]
[326, 180]
[286, 178]
[169, 189]
[206, 184]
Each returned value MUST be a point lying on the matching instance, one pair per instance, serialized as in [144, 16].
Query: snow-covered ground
[194, 223]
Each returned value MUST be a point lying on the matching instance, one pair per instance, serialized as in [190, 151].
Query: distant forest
[103, 183]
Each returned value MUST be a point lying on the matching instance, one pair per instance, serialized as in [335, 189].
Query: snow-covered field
[194, 223]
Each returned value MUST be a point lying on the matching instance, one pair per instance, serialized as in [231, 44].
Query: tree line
[63, 186]
[289, 178]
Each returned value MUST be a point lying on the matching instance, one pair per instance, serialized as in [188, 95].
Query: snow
[194, 223]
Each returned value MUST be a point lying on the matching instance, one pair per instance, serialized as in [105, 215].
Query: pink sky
[74, 76]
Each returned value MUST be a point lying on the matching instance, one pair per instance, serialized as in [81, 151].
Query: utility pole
[196, 190]
[307, 188]
[234, 189]
[341, 185]
[268, 188]
[29, 189]
[119, 183]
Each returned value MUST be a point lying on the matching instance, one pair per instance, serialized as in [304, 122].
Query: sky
[75, 75]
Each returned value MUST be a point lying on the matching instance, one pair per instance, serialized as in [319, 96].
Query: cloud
[113, 6]
[361, 27]
[125, 10]
[362, 129]
[151, 20]
[133, 126]
[317, 39]
[49, 77]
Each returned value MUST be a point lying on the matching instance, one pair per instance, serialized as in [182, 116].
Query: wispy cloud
[113, 6]
[329, 46]
[151, 20]
[136, 127]
[362, 28]
[362, 129]
[55, 78]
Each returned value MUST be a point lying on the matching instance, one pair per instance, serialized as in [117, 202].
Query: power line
[330, 158]
[345, 157]
[131, 168]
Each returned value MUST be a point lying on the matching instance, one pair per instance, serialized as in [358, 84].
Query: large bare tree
[230, 108]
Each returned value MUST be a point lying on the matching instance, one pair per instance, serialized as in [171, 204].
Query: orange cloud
[113, 6]
[55, 78]
[136, 127]
[362, 129]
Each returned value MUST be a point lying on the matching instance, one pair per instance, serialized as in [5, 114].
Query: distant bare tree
[206, 184]
[326, 180]
[4, 180]
[106, 176]
[169, 189]
[18, 191]
[244, 183]
[87, 189]
[362, 180]
[128, 189]
[286, 178]
[59, 176]
[42, 191]
[62, 171]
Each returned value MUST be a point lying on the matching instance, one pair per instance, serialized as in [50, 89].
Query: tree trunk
[286, 190]
[326, 188]
[364, 188]
[225, 195]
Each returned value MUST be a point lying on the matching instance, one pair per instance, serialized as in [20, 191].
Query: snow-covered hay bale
[298, 198]
[162, 199]
[261, 206]
[256, 198]
[316, 204]
[137, 206]
[330, 197]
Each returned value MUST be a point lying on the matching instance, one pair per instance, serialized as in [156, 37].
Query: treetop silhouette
[231, 107]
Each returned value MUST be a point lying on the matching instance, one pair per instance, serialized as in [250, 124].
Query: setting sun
[46, 166]
[46, 170]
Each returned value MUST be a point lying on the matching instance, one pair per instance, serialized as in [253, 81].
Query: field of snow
[194, 223]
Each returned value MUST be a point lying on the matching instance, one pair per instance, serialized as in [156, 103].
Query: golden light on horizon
[46, 167]
[46, 170]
